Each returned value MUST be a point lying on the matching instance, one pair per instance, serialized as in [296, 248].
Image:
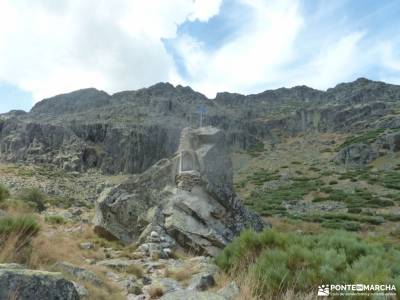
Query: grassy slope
[311, 203]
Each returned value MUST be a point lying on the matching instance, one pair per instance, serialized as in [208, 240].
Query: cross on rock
[201, 110]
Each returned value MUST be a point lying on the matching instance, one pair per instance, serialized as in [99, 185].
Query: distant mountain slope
[129, 131]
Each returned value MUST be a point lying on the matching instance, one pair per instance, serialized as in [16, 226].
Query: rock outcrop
[186, 200]
[22, 284]
[362, 153]
[357, 154]
[130, 131]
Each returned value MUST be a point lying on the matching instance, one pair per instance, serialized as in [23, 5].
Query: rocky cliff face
[129, 131]
[186, 200]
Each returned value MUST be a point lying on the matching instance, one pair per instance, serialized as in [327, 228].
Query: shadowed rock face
[187, 200]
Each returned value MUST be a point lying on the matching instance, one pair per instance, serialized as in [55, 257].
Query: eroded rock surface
[187, 200]
[22, 284]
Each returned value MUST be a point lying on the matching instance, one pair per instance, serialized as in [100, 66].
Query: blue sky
[246, 46]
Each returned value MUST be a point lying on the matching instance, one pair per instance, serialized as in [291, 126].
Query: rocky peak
[76, 101]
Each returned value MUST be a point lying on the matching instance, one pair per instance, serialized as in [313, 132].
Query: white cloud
[252, 57]
[48, 47]
[205, 9]
[389, 58]
[337, 61]
[280, 46]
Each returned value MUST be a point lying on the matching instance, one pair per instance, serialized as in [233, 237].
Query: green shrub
[55, 220]
[34, 197]
[357, 199]
[354, 210]
[314, 169]
[270, 202]
[4, 193]
[333, 182]
[341, 224]
[25, 225]
[327, 173]
[389, 180]
[327, 189]
[391, 217]
[59, 201]
[278, 262]
[256, 149]
[259, 177]
[367, 137]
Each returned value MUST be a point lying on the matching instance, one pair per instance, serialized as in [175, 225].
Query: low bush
[366, 137]
[55, 220]
[314, 169]
[136, 270]
[4, 193]
[357, 199]
[16, 233]
[391, 217]
[156, 292]
[256, 149]
[259, 177]
[389, 180]
[276, 262]
[33, 197]
[24, 225]
[270, 202]
[354, 210]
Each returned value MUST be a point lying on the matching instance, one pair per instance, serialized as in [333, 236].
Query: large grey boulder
[363, 153]
[357, 154]
[187, 199]
[22, 284]
[390, 142]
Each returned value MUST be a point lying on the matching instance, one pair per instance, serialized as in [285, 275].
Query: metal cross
[201, 110]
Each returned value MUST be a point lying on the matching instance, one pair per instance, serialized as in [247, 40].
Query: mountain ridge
[129, 131]
[163, 86]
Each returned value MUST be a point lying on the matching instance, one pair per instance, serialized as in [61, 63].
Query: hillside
[129, 199]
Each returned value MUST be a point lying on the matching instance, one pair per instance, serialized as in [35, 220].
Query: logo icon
[323, 290]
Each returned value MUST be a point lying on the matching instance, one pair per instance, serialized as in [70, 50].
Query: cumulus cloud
[337, 61]
[283, 45]
[48, 47]
[253, 56]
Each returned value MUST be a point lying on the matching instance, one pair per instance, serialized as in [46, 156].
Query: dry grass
[53, 244]
[156, 292]
[136, 270]
[104, 293]
[249, 290]
[16, 207]
[15, 248]
[16, 233]
[181, 274]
